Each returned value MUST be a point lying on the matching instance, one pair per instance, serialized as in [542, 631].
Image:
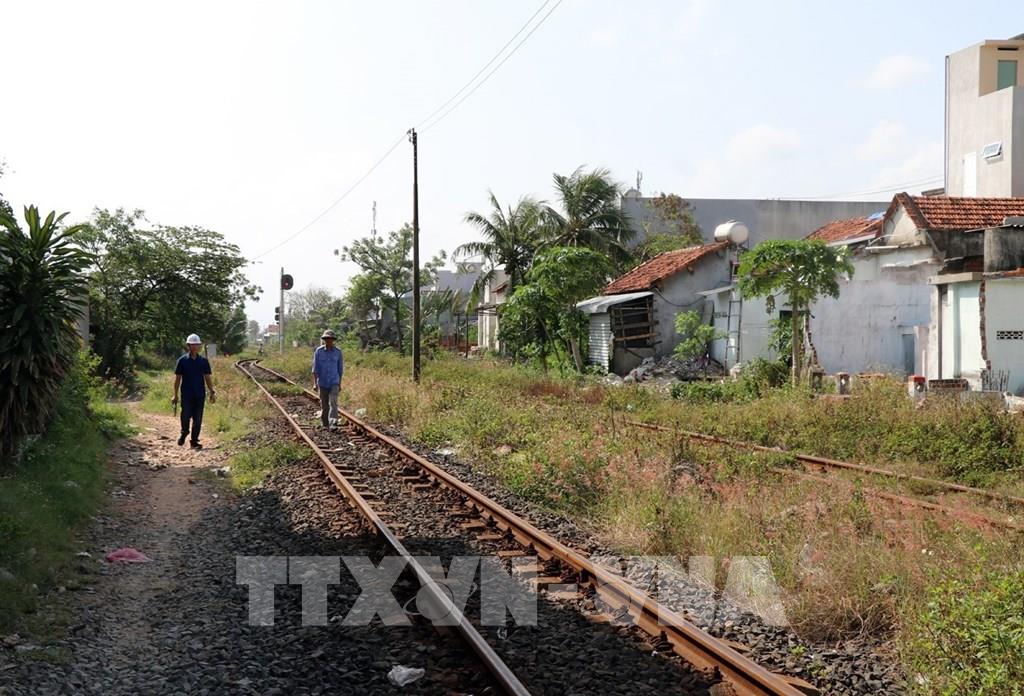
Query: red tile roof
[840, 230]
[644, 276]
[948, 213]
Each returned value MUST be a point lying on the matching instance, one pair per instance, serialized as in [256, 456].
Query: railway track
[723, 666]
[814, 465]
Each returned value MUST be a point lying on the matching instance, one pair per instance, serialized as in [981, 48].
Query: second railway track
[424, 510]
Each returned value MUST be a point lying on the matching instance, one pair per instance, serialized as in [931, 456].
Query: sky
[258, 119]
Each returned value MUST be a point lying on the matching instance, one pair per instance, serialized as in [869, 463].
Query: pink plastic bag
[127, 555]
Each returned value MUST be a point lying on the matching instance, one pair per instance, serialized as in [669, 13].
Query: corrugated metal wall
[600, 340]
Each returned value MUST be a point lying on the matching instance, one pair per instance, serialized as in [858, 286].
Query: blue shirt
[328, 366]
[192, 371]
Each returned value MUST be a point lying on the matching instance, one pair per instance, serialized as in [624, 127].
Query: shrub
[41, 286]
[969, 637]
[760, 375]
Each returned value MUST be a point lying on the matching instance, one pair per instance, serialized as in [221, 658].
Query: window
[992, 150]
[1006, 75]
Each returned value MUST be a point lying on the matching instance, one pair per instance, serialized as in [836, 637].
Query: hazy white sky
[251, 118]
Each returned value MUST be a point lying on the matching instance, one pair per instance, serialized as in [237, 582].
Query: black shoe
[195, 445]
[181, 440]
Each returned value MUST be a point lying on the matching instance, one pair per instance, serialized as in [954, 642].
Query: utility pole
[415, 259]
[280, 323]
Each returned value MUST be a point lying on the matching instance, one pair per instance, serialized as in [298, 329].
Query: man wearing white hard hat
[192, 375]
[328, 367]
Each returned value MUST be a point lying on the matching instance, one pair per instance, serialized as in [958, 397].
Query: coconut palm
[591, 214]
[510, 239]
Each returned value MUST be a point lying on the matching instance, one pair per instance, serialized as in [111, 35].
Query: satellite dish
[733, 232]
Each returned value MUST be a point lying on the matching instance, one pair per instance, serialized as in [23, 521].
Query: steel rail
[825, 463]
[699, 648]
[501, 672]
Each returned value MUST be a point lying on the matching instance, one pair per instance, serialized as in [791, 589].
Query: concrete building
[977, 326]
[879, 322]
[634, 317]
[886, 316]
[765, 219]
[495, 293]
[985, 119]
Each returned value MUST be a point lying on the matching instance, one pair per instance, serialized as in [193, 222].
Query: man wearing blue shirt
[192, 375]
[328, 366]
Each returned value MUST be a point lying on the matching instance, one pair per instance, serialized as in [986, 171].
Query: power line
[401, 138]
[894, 187]
[338, 200]
[486, 65]
[496, 67]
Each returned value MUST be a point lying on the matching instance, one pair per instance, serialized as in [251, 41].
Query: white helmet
[193, 340]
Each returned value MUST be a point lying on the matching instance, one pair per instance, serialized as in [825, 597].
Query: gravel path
[849, 668]
[179, 624]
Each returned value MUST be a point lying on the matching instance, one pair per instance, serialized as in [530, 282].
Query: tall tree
[671, 227]
[152, 287]
[510, 239]
[42, 293]
[390, 264]
[802, 271]
[541, 315]
[591, 214]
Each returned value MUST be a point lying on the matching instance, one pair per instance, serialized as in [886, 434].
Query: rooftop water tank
[732, 232]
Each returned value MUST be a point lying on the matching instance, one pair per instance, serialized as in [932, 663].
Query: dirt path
[161, 490]
[158, 491]
[180, 624]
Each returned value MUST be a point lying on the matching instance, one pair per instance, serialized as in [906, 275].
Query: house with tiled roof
[879, 321]
[634, 316]
[888, 314]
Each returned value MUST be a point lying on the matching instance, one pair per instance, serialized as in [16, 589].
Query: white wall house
[634, 317]
[977, 318]
[765, 219]
[495, 293]
[883, 319]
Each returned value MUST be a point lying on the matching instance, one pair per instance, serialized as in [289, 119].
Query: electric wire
[427, 120]
[495, 69]
[894, 187]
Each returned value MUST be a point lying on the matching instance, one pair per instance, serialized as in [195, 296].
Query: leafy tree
[697, 336]
[673, 227]
[153, 287]
[42, 292]
[591, 214]
[252, 332]
[389, 263]
[510, 239]
[230, 337]
[799, 269]
[541, 315]
[315, 304]
[362, 297]
[5, 207]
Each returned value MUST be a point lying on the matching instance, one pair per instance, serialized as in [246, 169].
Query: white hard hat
[193, 339]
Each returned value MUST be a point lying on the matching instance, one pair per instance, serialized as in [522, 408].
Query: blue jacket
[328, 366]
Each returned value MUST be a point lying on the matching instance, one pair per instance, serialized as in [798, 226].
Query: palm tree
[510, 239]
[591, 214]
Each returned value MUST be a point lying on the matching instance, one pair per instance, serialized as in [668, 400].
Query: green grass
[50, 494]
[847, 564]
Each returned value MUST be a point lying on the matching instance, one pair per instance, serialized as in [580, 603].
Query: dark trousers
[192, 410]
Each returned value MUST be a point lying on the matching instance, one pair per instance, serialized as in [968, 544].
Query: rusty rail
[494, 664]
[699, 648]
[825, 463]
